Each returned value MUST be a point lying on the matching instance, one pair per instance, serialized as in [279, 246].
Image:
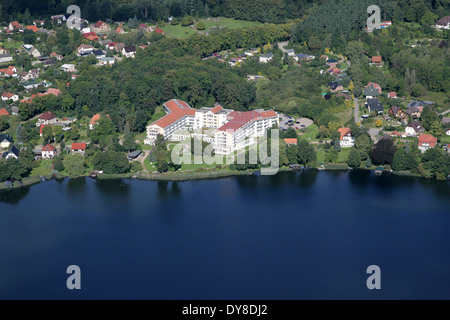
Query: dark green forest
[273, 11]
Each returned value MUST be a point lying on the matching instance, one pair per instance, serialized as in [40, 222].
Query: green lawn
[342, 112]
[342, 155]
[159, 113]
[179, 31]
[45, 168]
[310, 133]
[13, 44]
[342, 66]
[445, 139]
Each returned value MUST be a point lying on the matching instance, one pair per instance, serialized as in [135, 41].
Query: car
[291, 121]
[297, 122]
[302, 126]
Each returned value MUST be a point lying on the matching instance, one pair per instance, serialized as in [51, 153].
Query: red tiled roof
[47, 116]
[78, 146]
[4, 112]
[33, 28]
[178, 109]
[344, 132]
[16, 24]
[157, 30]
[97, 117]
[41, 128]
[392, 94]
[216, 109]
[376, 59]
[8, 95]
[49, 147]
[290, 140]
[54, 91]
[427, 138]
[238, 119]
[375, 86]
[119, 30]
[98, 24]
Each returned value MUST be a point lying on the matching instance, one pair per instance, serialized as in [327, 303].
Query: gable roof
[158, 30]
[376, 59]
[372, 89]
[428, 139]
[8, 95]
[216, 109]
[178, 109]
[443, 21]
[290, 140]
[78, 146]
[119, 30]
[5, 137]
[4, 112]
[416, 125]
[344, 132]
[16, 25]
[129, 49]
[392, 94]
[47, 116]
[96, 117]
[49, 147]
[374, 104]
[99, 24]
[33, 28]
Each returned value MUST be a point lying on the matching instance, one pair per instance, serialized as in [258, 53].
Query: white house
[68, 67]
[5, 141]
[48, 152]
[443, 23]
[129, 51]
[13, 153]
[346, 139]
[290, 52]
[414, 128]
[10, 96]
[106, 61]
[5, 58]
[447, 132]
[85, 49]
[264, 58]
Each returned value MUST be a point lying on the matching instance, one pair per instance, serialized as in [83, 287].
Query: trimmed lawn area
[13, 44]
[342, 66]
[310, 133]
[445, 139]
[45, 168]
[159, 113]
[178, 31]
[342, 112]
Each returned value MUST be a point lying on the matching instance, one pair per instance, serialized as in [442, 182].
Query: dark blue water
[309, 235]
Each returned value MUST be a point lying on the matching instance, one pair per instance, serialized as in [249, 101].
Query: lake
[306, 235]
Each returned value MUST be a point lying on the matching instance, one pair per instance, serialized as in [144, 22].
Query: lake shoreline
[181, 177]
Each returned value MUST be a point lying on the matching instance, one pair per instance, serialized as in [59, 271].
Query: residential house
[31, 84]
[234, 61]
[134, 155]
[3, 51]
[48, 152]
[397, 112]
[14, 26]
[372, 90]
[4, 112]
[53, 91]
[10, 96]
[33, 28]
[346, 140]
[426, 141]
[335, 86]
[119, 46]
[447, 132]
[101, 27]
[68, 67]
[91, 36]
[332, 63]
[290, 52]
[374, 105]
[264, 58]
[160, 31]
[392, 95]
[443, 23]
[334, 71]
[85, 29]
[129, 51]
[304, 57]
[45, 118]
[56, 56]
[78, 148]
[106, 61]
[5, 58]
[5, 141]
[377, 61]
[385, 24]
[99, 54]
[414, 128]
[95, 119]
[291, 141]
[85, 49]
[39, 23]
[13, 153]
[398, 134]
[119, 30]
[15, 111]
[445, 120]
[49, 63]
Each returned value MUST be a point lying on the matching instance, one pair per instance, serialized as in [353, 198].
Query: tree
[314, 43]
[4, 123]
[436, 128]
[292, 154]
[354, 158]
[111, 162]
[103, 129]
[399, 160]
[201, 26]
[162, 161]
[129, 143]
[58, 164]
[47, 134]
[383, 151]
[368, 163]
[428, 117]
[306, 153]
[74, 133]
[187, 21]
[363, 144]
[74, 165]
[379, 122]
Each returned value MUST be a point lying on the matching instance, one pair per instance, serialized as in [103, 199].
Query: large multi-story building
[226, 129]
[242, 129]
[180, 116]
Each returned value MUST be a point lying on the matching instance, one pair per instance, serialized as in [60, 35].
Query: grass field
[342, 112]
[13, 44]
[179, 31]
[310, 133]
[45, 168]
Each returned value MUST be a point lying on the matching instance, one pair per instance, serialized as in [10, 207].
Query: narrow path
[356, 112]
[142, 159]
[281, 46]
[444, 113]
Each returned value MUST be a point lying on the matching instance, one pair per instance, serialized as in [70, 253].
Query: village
[37, 66]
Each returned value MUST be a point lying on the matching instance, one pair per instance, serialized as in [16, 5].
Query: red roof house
[47, 116]
[78, 147]
[426, 141]
[3, 112]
